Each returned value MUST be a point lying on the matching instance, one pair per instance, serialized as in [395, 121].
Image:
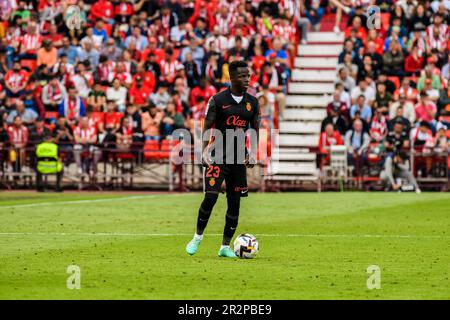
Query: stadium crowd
[392, 91]
[124, 74]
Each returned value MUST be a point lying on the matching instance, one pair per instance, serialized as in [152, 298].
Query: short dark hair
[235, 65]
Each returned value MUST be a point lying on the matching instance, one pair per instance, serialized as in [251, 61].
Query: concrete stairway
[309, 92]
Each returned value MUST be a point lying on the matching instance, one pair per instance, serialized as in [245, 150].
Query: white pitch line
[112, 234]
[38, 204]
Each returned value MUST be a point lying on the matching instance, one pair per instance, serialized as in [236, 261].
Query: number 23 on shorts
[213, 171]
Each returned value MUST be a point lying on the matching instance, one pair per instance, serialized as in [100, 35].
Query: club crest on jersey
[212, 182]
[248, 106]
[236, 121]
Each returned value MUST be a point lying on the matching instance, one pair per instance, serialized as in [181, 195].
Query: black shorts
[235, 176]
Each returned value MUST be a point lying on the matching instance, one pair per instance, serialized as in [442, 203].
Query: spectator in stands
[85, 136]
[48, 54]
[363, 89]
[72, 107]
[433, 94]
[97, 99]
[442, 142]
[139, 92]
[393, 60]
[53, 94]
[348, 63]
[345, 78]
[364, 109]
[125, 134]
[409, 92]
[111, 124]
[161, 97]
[397, 139]
[63, 136]
[314, 11]
[383, 99]
[133, 113]
[15, 80]
[426, 110]
[335, 118]
[27, 116]
[357, 141]
[118, 93]
[329, 137]
[397, 167]
[338, 106]
[414, 62]
[38, 132]
[18, 138]
[348, 49]
[428, 74]
[171, 121]
[399, 115]
[151, 121]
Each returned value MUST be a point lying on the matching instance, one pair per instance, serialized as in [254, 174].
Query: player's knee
[209, 201]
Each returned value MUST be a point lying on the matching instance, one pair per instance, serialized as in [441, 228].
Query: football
[246, 246]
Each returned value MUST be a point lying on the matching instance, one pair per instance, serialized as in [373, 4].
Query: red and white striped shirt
[87, 133]
[18, 135]
[168, 69]
[29, 42]
[16, 80]
[225, 23]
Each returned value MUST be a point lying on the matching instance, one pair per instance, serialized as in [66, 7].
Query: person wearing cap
[397, 167]
[48, 162]
[139, 93]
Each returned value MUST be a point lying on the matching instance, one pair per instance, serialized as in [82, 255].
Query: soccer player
[231, 113]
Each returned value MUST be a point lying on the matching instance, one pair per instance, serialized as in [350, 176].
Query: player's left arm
[250, 160]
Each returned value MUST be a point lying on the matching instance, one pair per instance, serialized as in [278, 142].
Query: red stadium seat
[395, 80]
[51, 115]
[151, 150]
[165, 149]
[29, 64]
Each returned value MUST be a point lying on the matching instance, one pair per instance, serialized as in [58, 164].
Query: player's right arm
[210, 120]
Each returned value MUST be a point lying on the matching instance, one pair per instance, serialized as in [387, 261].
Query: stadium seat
[51, 115]
[29, 64]
[395, 80]
[151, 150]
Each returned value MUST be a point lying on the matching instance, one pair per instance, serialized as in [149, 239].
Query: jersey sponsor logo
[248, 106]
[236, 121]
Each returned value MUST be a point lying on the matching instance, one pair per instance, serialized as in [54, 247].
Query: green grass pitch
[312, 246]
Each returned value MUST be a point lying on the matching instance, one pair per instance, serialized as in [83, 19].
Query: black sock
[231, 219]
[204, 212]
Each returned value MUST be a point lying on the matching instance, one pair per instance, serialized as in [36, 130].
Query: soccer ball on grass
[246, 246]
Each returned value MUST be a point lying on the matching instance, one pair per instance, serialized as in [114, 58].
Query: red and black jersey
[232, 118]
